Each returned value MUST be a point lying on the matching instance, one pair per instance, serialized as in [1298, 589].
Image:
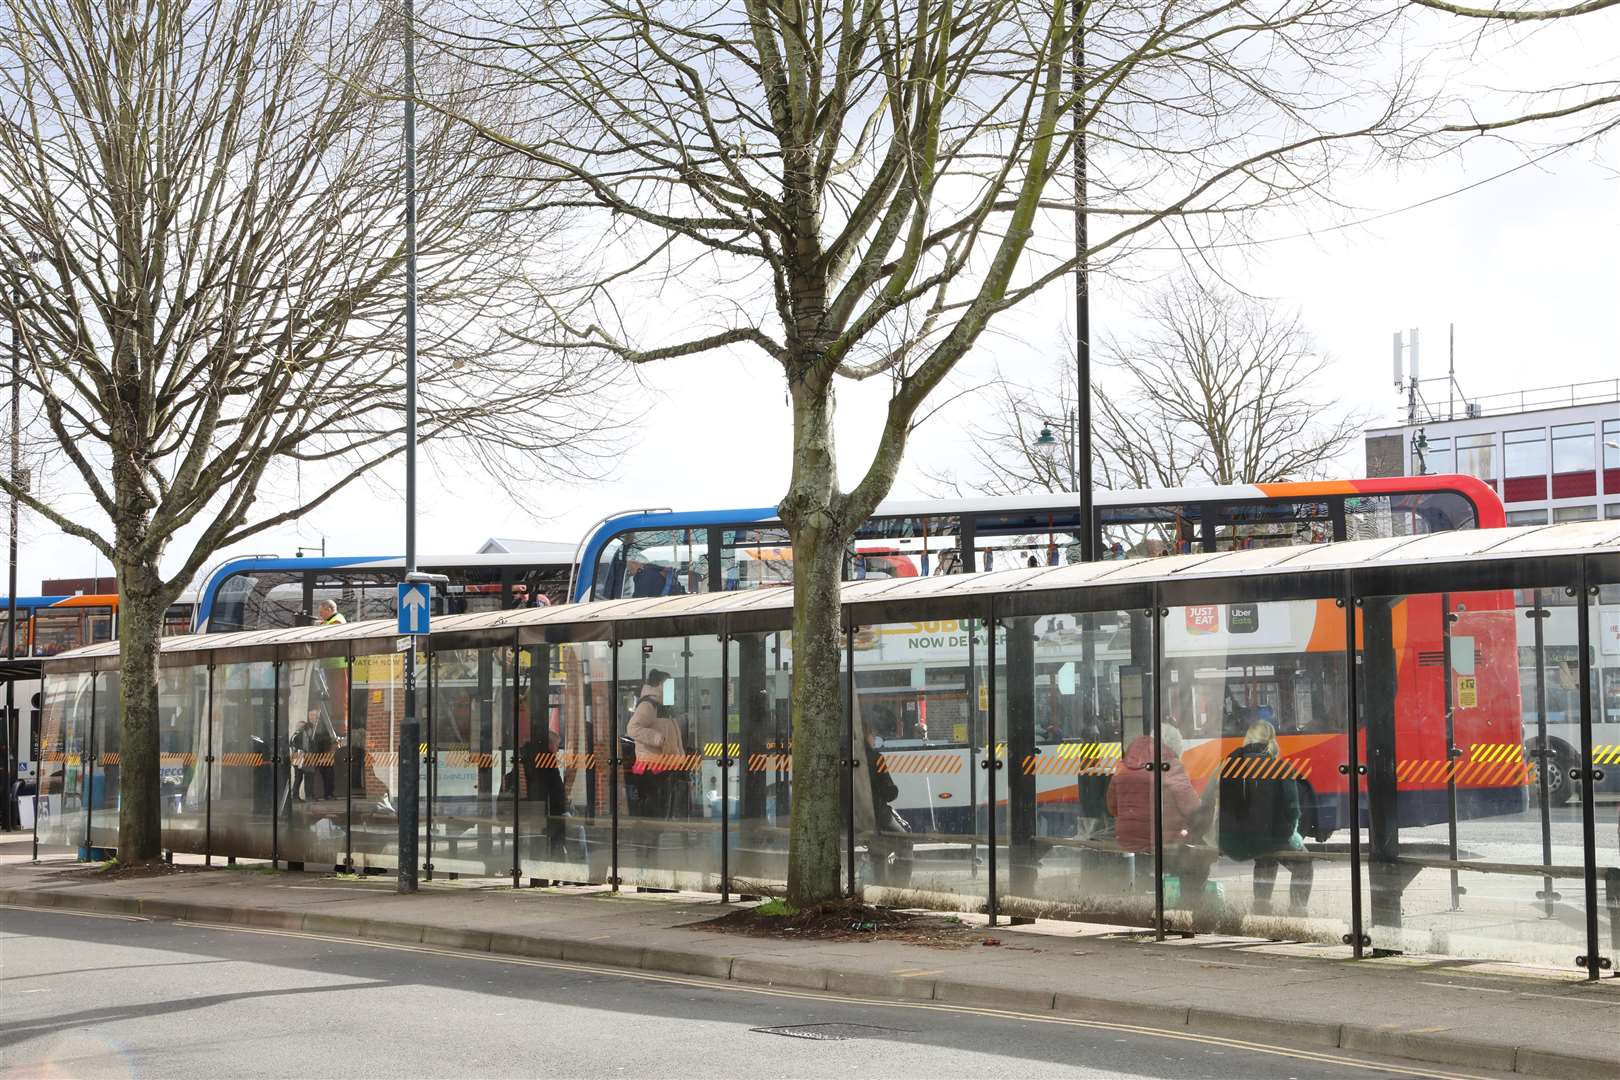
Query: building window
[1574, 462]
[1562, 514]
[1611, 455]
[1527, 517]
[1612, 511]
[1476, 456]
[1437, 458]
[1525, 455]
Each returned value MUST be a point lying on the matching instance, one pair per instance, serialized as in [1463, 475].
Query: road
[116, 997]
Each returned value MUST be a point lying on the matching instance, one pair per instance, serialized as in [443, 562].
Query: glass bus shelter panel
[1603, 766]
[377, 712]
[577, 845]
[669, 701]
[182, 756]
[310, 802]
[64, 754]
[760, 725]
[471, 752]
[554, 843]
[1069, 699]
[921, 796]
[244, 741]
[1466, 853]
[104, 781]
[1255, 734]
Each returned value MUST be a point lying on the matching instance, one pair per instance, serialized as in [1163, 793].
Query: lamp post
[410, 728]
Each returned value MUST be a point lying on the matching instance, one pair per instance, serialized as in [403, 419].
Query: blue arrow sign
[414, 607]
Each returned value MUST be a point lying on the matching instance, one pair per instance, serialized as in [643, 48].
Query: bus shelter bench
[1609, 875]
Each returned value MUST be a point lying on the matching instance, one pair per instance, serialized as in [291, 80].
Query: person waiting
[1130, 800]
[1259, 819]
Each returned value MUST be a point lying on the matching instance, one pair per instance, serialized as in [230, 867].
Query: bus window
[1028, 539]
[1274, 523]
[58, 630]
[101, 626]
[263, 600]
[1139, 532]
[362, 596]
[177, 618]
[1374, 517]
[24, 625]
[653, 562]
[755, 558]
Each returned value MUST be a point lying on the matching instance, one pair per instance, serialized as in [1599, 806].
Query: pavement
[1489, 1017]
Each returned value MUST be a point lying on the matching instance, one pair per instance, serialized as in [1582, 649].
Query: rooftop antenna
[1408, 384]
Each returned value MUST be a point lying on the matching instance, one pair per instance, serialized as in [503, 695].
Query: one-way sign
[414, 607]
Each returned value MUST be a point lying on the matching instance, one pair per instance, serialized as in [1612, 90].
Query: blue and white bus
[268, 592]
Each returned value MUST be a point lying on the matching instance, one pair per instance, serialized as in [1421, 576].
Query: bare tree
[855, 191]
[202, 249]
[1584, 107]
[1219, 388]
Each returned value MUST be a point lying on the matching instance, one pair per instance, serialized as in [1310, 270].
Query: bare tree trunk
[140, 615]
[818, 534]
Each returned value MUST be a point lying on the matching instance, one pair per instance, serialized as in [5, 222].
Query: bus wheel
[1559, 785]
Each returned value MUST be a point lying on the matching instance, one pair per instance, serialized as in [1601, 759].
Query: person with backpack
[1260, 818]
[658, 749]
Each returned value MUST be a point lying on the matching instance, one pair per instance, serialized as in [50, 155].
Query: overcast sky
[1524, 265]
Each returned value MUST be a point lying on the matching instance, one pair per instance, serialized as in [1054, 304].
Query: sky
[1523, 265]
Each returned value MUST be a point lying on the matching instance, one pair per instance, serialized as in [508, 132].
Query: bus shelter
[1363, 744]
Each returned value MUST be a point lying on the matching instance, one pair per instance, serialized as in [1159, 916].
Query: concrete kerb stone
[1428, 1046]
[530, 947]
[1564, 1066]
[450, 937]
[1111, 1011]
[403, 933]
[1011, 999]
[268, 918]
[777, 973]
[611, 953]
[1264, 1028]
[321, 922]
[681, 962]
[867, 984]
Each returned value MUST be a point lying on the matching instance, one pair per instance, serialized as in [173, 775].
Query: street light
[1046, 444]
[1420, 447]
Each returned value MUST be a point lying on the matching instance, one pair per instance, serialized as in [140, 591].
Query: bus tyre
[1559, 786]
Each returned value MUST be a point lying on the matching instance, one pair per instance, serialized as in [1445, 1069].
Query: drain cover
[829, 1032]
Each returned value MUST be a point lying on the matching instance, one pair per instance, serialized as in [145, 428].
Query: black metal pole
[725, 769]
[1158, 615]
[88, 758]
[613, 761]
[275, 766]
[410, 732]
[990, 759]
[1352, 771]
[1538, 615]
[348, 761]
[208, 770]
[516, 690]
[433, 766]
[1082, 297]
[1593, 962]
[857, 748]
[1453, 754]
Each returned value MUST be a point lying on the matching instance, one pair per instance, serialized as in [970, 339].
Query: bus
[267, 592]
[664, 552]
